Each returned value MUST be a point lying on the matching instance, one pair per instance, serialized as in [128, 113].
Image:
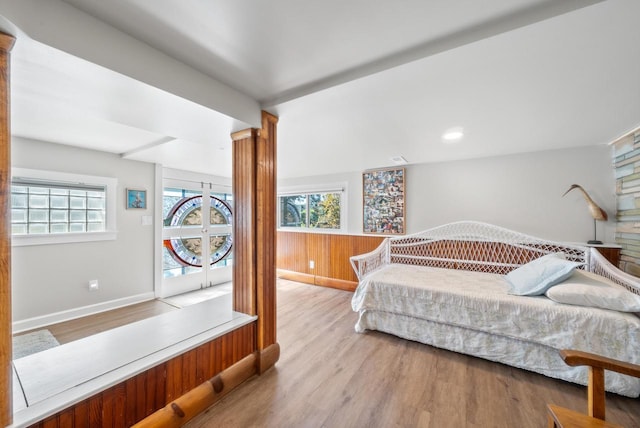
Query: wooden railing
[329, 253]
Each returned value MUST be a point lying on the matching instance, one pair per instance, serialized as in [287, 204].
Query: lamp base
[594, 242]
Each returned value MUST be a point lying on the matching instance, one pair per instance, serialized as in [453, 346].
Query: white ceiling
[353, 83]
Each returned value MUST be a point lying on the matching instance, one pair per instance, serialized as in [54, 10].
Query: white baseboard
[70, 314]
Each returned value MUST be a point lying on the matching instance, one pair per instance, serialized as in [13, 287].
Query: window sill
[62, 238]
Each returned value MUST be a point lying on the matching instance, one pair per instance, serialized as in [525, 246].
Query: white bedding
[471, 312]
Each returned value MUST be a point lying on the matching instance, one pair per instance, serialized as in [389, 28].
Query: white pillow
[589, 289]
[534, 278]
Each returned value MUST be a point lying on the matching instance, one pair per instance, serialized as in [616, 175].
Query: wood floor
[69, 331]
[330, 376]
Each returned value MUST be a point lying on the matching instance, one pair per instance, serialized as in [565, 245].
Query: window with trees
[318, 210]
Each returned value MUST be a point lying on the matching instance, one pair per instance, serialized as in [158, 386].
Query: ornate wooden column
[254, 230]
[266, 201]
[6, 406]
[244, 221]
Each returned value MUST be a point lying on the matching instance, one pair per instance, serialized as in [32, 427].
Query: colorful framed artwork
[383, 193]
[136, 199]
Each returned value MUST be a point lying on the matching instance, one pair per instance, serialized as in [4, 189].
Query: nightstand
[611, 252]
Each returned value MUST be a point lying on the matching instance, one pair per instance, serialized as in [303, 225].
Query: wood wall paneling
[349, 246]
[6, 403]
[318, 250]
[292, 252]
[330, 253]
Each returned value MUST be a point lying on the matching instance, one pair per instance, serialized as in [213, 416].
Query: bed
[453, 287]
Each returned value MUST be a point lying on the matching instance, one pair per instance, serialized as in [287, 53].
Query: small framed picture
[136, 199]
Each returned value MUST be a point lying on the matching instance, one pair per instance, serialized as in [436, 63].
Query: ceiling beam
[484, 30]
[159, 142]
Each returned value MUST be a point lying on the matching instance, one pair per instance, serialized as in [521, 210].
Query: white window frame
[340, 188]
[110, 184]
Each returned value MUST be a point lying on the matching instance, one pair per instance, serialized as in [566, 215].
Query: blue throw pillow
[537, 276]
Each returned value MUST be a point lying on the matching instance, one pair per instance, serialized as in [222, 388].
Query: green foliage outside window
[313, 210]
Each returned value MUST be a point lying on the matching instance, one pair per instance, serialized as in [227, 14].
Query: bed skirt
[507, 350]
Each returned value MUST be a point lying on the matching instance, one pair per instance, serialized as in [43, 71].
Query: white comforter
[478, 302]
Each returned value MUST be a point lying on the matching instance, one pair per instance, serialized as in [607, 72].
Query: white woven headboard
[600, 265]
[466, 245]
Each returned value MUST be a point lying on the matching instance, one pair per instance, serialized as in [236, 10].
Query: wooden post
[6, 350]
[254, 270]
[266, 200]
[244, 222]
[595, 393]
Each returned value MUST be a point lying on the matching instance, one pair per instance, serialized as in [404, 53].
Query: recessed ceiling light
[399, 160]
[453, 134]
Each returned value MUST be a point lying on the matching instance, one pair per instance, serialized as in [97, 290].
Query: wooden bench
[565, 418]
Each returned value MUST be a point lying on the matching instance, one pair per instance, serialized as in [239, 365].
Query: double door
[197, 239]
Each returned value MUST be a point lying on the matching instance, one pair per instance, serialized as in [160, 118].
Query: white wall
[53, 278]
[521, 192]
